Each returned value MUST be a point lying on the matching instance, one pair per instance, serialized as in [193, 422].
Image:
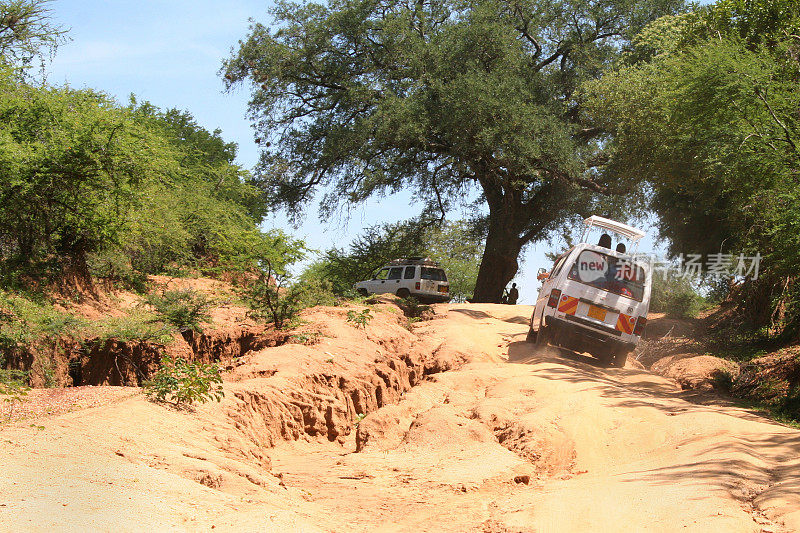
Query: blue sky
[169, 53]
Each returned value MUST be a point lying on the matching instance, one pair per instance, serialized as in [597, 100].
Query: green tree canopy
[27, 32]
[81, 175]
[445, 98]
[707, 110]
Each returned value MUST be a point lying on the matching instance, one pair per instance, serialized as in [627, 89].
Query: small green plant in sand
[13, 388]
[184, 382]
[359, 319]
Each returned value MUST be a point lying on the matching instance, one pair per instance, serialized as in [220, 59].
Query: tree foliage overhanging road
[705, 107]
[361, 98]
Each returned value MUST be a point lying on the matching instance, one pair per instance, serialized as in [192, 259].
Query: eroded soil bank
[466, 427]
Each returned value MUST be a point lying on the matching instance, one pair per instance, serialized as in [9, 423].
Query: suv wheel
[363, 292]
[531, 336]
[403, 293]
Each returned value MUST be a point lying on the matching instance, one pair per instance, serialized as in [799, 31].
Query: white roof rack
[425, 261]
[619, 228]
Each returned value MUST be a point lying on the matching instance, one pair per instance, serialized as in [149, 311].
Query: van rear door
[609, 287]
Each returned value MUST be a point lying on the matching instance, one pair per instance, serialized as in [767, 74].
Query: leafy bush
[412, 308]
[184, 309]
[182, 382]
[675, 296]
[24, 321]
[359, 319]
[136, 326]
[90, 186]
[315, 292]
[115, 266]
[13, 388]
[272, 301]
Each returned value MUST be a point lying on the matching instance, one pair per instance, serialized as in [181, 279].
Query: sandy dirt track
[474, 431]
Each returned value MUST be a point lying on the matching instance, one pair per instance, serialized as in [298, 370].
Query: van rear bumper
[574, 335]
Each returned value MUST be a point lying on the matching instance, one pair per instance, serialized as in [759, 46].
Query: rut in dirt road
[472, 430]
[551, 441]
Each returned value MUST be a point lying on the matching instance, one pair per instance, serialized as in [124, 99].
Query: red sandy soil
[467, 428]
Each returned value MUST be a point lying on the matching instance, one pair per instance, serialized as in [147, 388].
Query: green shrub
[115, 266]
[13, 388]
[269, 301]
[136, 326]
[24, 322]
[182, 309]
[675, 296]
[308, 338]
[181, 382]
[682, 304]
[359, 319]
[314, 292]
[412, 308]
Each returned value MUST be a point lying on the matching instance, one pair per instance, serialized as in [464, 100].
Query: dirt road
[467, 428]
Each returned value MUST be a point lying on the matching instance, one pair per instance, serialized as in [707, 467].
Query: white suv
[595, 299]
[411, 276]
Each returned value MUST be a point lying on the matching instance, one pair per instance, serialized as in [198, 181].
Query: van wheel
[403, 293]
[363, 292]
[606, 358]
[620, 358]
[531, 336]
[543, 337]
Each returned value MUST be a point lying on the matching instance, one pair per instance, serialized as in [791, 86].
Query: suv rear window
[435, 274]
[609, 273]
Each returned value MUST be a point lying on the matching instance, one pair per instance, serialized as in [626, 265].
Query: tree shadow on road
[481, 315]
[744, 463]
[632, 387]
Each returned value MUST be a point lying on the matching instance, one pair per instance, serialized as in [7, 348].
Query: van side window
[383, 274]
[558, 266]
[410, 272]
[395, 273]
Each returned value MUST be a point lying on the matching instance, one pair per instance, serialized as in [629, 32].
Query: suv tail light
[641, 322]
[555, 296]
[416, 285]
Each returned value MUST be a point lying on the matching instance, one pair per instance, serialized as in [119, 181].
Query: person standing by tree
[513, 294]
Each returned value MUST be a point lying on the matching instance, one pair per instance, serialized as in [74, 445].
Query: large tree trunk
[499, 262]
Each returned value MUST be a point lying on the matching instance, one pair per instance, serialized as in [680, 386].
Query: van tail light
[416, 285]
[555, 296]
[641, 322]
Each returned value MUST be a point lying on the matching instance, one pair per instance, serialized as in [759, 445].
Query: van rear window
[435, 274]
[609, 273]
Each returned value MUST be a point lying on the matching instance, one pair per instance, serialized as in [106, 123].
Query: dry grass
[40, 403]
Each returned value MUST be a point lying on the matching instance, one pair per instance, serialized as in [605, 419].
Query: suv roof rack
[426, 261]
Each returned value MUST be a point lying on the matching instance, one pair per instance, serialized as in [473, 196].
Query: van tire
[363, 292]
[620, 358]
[403, 293]
[543, 337]
[531, 336]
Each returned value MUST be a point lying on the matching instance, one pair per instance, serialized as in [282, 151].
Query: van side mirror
[542, 274]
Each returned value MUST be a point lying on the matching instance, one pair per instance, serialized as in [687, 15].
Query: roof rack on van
[624, 230]
[426, 261]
